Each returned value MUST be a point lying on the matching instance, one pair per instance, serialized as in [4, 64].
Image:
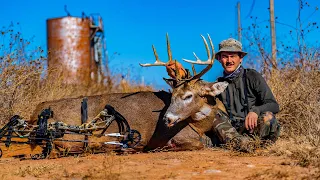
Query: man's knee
[269, 127]
[267, 117]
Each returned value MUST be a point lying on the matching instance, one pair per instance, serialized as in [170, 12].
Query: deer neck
[202, 121]
[204, 112]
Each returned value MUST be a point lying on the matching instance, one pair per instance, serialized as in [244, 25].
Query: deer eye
[187, 97]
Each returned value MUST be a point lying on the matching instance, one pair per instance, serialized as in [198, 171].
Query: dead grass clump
[246, 148]
[297, 89]
[284, 173]
[298, 93]
[298, 148]
[17, 82]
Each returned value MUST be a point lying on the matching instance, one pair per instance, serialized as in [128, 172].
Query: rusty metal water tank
[68, 43]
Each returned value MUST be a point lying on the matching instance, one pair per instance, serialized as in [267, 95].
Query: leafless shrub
[298, 92]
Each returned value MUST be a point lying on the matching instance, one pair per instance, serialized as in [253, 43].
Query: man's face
[230, 61]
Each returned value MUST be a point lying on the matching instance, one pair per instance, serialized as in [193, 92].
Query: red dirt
[203, 164]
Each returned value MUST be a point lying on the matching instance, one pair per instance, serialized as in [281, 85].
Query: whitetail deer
[192, 99]
[151, 113]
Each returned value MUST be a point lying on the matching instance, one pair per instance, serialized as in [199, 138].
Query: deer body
[144, 112]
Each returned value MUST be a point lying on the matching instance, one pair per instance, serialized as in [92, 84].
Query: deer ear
[213, 89]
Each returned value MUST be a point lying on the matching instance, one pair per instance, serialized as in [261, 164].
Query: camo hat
[230, 45]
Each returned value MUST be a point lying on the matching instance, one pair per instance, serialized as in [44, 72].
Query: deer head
[190, 94]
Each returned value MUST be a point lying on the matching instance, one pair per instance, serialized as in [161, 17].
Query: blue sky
[132, 26]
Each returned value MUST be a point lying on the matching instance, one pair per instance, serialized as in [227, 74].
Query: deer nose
[170, 119]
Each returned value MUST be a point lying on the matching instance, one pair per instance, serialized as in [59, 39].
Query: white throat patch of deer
[204, 112]
[190, 93]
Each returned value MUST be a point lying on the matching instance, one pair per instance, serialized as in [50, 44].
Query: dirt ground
[202, 164]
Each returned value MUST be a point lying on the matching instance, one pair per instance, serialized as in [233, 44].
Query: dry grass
[284, 173]
[299, 149]
[297, 90]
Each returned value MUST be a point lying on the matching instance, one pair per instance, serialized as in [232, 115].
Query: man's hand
[251, 121]
[171, 69]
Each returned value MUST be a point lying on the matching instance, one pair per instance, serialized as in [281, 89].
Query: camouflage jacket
[259, 96]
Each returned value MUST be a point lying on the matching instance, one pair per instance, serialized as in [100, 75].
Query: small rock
[211, 171]
[250, 166]
[195, 173]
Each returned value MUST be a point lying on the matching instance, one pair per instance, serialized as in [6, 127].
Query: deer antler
[178, 72]
[208, 62]
[157, 63]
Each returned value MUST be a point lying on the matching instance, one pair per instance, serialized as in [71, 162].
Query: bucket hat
[230, 45]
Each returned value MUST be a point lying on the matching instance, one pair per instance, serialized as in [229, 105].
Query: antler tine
[177, 72]
[178, 76]
[157, 63]
[194, 70]
[210, 59]
[209, 62]
[212, 48]
[168, 48]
